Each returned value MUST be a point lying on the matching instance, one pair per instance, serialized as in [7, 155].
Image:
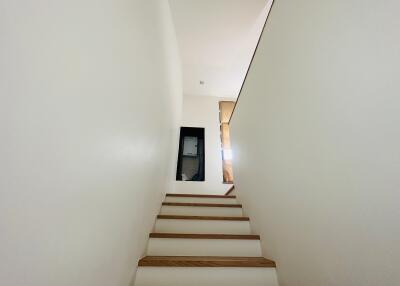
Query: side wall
[316, 142]
[90, 102]
[203, 111]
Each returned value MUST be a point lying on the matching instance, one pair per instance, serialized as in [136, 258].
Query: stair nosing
[200, 196]
[201, 205]
[205, 236]
[184, 217]
[205, 261]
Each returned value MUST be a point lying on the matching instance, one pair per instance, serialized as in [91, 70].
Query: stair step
[171, 244]
[194, 198]
[189, 217]
[206, 276]
[200, 209]
[202, 205]
[201, 196]
[204, 236]
[202, 224]
[205, 261]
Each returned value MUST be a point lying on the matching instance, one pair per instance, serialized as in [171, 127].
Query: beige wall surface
[90, 97]
[225, 110]
[316, 142]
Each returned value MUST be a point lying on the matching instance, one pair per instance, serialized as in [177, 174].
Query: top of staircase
[230, 190]
[202, 205]
[201, 196]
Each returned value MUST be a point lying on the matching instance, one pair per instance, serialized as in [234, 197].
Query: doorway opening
[225, 112]
[191, 155]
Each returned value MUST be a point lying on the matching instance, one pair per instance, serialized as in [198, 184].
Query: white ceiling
[217, 39]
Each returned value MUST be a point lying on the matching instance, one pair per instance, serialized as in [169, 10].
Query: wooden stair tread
[205, 261]
[232, 218]
[205, 236]
[202, 205]
[201, 196]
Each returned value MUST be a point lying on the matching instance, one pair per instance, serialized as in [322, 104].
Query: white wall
[216, 42]
[203, 111]
[90, 102]
[316, 142]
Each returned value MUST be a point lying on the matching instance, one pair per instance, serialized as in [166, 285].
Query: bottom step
[183, 244]
[206, 276]
[206, 261]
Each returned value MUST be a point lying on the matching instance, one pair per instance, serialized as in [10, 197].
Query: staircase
[204, 240]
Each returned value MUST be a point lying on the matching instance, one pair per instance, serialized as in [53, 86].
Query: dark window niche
[191, 155]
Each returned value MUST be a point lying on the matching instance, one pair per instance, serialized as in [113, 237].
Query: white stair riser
[202, 226]
[201, 200]
[206, 276]
[200, 211]
[203, 247]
